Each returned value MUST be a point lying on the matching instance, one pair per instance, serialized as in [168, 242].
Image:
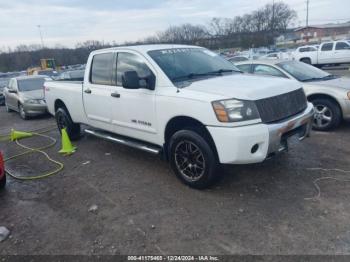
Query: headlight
[234, 110]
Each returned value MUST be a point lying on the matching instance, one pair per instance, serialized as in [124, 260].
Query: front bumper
[255, 143]
[35, 109]
[345, 105]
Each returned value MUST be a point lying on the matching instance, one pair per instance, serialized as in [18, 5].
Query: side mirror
[131, 80]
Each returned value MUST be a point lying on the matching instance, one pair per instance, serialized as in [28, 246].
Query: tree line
[257, 28]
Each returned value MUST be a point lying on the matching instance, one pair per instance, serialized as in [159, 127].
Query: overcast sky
[67, 22]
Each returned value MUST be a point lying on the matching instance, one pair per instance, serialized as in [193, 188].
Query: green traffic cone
[16, 135]
[67, 147]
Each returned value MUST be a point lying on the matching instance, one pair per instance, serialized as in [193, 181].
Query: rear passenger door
[97, 98]
[326, 54]
[135, 116]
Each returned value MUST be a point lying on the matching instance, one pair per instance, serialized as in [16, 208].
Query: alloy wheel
[323, 116]
[189, 160]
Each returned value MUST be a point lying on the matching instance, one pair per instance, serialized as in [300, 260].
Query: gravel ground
[268, 208]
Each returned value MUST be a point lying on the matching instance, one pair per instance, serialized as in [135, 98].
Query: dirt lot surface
[295, 203]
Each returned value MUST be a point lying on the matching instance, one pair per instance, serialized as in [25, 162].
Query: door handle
[88, 91]
[117, 95]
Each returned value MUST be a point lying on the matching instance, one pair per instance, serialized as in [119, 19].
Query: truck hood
[341, 82]
[35, 94]
[246, 87]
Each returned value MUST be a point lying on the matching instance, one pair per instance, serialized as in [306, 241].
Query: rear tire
[193, 160]
[327, 114]
[64, 120]
[3, 182]
[306, 61]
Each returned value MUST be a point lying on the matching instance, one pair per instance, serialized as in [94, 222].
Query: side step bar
[124, 141]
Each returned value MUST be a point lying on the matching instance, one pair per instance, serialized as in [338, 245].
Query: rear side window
[327, 47]
[342, 46]
[244, 68]
[101, 70]
[131, 62]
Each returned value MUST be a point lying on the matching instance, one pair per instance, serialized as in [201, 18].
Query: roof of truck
[146, 48]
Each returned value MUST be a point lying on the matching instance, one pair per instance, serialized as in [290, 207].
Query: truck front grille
[280, 107]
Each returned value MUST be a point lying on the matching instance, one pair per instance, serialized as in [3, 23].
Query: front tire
[8, 110]
[193, 159]
[327, 114]
[22, 113]
[64, 120]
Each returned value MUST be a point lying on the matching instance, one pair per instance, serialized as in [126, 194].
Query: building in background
[314, 34]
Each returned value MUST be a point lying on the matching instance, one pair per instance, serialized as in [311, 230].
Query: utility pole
[273, 16]
[41, 36]
[307, 13]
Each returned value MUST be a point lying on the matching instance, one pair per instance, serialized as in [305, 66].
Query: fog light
[255, 148]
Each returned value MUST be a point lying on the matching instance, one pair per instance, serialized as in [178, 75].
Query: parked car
[184, 102]
[2, 172]
[336, 52]
[26, 96]
[306, 54]
[235, 59]
[2, 97]
[330, 94]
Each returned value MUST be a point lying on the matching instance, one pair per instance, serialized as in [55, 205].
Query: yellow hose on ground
[31, 150]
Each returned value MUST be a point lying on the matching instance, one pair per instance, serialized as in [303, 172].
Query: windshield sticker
[174, 51]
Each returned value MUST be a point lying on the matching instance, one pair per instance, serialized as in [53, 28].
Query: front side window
[267, 70]
[342, 46]
[189, 64]
[131, 62]
[327, 47]
[30, 84]
[101, 69]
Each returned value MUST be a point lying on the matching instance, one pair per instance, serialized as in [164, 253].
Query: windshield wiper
[217, 72]
[327, 77]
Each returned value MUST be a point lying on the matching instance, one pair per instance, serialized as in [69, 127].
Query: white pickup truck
[328, 53]
[184, 102]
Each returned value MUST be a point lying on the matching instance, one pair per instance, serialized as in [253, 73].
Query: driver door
[12, 98]
[134, 112]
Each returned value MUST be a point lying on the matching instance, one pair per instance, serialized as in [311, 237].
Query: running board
[124, 141]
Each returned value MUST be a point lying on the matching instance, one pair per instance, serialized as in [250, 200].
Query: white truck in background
[184, 102]
[327, 53]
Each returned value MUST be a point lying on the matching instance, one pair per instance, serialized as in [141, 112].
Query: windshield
[181, 64]
[303, 72]
[30, 84]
